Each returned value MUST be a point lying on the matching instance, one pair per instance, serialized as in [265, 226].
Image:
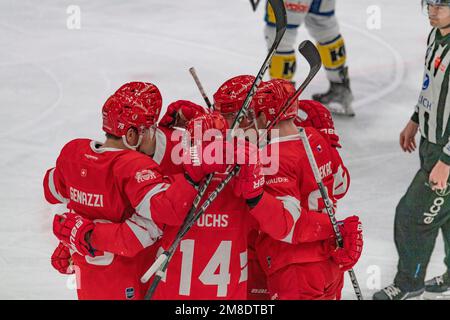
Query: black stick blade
[254, 4]
[311, 54]
[280, 16]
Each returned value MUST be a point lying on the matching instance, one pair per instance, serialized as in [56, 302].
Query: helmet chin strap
[124, 140]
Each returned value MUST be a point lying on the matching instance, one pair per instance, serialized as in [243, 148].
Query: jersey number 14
[220, 261]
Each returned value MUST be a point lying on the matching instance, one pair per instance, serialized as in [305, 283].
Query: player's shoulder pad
[74, 145]
[318, 142]
[314, 136]
[132, 162]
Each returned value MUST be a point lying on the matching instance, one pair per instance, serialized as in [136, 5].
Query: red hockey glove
[180, 112]
[62, 260]
[199, 167]
[314, 114]
[73, 230]
[249, 182]
[210, 155]
[348, 256]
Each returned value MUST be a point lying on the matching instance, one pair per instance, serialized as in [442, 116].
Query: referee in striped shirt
[425, 208]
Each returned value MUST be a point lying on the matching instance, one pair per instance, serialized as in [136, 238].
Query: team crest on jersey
[129, 293]
[83, 173]
[144, 175]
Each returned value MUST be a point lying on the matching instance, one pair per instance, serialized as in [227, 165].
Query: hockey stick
[281, 24]
[254, 4]
[162, 261]
[200, 88]
[328, 205]
[309, 51]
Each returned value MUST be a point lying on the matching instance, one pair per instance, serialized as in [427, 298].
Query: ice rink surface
[53, 82]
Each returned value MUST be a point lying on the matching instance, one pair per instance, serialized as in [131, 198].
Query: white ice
[53, 82]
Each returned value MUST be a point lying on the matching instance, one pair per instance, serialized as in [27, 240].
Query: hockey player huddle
[265, 236]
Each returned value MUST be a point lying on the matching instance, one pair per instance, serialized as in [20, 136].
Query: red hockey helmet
[314, 114]
[133, 105]
[232, 93]
[272, 96]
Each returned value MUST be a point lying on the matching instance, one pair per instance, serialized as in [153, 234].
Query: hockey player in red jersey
[296, 246]
[314, 114]
[228, 100]
[211, 260]
[119, 200]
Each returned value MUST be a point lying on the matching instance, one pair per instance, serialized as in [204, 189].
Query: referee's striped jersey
[432, 112]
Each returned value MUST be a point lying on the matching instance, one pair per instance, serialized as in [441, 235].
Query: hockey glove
[249, 182]
[348, 256]
[62, 260]
[180, 112]
[198, 167]
[314, 114]
[74, 230]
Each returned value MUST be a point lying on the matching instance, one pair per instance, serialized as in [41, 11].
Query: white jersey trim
[340, 185]
[161, 145]
[293, 137]
[143, 208]
[146, 231]
[101, 149]
[243, 257]
[52, 187]
[292, 205]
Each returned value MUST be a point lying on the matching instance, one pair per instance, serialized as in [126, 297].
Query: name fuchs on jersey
[86, 199]
[209, 220]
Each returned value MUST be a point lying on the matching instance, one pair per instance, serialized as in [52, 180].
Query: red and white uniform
[257, 280]
[168, 150]
[211, 261]
[125, 194]
[295, 228]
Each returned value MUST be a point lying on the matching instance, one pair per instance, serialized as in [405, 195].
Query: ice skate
[392, 292]
[339, 97]
[438, 288]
